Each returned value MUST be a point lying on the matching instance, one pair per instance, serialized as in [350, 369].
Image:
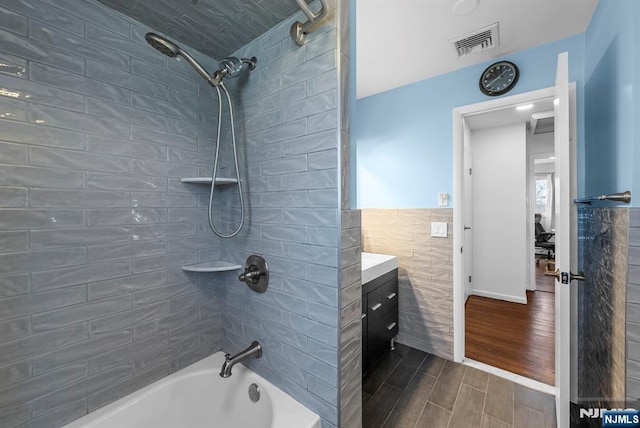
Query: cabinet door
[380, 325]
[376, 338]
[366, 362]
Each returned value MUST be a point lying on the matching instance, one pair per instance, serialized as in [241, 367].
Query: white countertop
[375, 265]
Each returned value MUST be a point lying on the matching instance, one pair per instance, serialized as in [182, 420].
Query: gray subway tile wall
[292, 183]
[350, 319]
[98, 130]
[633, 311]
[350, 283]
[214, 27]
[604, 342]
[95, 223]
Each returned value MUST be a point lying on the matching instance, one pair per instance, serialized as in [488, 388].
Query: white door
[564, 186]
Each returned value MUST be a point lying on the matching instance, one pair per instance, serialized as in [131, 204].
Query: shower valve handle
[252, 275]
[256, 274]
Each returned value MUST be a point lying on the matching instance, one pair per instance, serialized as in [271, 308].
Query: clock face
[499, 78]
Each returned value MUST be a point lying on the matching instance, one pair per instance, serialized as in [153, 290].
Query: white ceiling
[404, 41]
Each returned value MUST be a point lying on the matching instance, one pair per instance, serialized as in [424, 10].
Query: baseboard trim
[499, 296]
[516, 378]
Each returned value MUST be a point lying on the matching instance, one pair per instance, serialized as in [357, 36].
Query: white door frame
[458, 206]
[458, 155]
[468, 202]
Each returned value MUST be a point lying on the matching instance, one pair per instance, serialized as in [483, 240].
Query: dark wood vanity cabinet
[379, 316]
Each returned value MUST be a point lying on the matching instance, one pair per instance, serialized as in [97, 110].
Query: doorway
[509, 324]
[541, 210]
[564, 102]
[463, 284]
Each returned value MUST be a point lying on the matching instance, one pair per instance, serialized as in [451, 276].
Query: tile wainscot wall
[425, 273]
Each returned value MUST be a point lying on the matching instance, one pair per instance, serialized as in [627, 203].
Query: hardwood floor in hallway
[512, 336]
[544, 283]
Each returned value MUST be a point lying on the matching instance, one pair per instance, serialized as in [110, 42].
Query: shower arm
[298, 29]
[251, 62]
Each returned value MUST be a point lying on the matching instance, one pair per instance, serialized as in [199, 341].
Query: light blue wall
[404, 136]
[611, 72]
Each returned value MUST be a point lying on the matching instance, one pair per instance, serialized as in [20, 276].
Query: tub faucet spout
[253, 351]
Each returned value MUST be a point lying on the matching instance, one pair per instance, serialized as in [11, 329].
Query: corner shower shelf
[215, 266]
[207, 180]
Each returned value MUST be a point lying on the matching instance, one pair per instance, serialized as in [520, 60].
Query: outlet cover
[439, 229]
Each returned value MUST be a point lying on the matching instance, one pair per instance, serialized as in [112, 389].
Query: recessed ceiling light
[552, 157]
[464, 7]
[524, 107]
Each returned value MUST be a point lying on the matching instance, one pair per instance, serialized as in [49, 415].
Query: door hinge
[469, 171]
[469, 278]
[460, 250]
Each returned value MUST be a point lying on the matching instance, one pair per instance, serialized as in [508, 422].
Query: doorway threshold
[516, 378]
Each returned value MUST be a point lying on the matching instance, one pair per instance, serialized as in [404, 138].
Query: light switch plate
[443, 199]
[439, 229]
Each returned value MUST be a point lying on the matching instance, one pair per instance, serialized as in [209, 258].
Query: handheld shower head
[168, 48]
[229, 67]
[172, 50]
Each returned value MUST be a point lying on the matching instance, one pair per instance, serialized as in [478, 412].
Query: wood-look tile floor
[408, 388]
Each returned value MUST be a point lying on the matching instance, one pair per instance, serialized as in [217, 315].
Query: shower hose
[215, 165]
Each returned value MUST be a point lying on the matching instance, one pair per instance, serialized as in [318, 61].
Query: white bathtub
[197, 396]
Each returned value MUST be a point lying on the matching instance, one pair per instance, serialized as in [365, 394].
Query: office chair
[543, 239]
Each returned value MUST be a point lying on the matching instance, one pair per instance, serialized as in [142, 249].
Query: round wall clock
[499, 78]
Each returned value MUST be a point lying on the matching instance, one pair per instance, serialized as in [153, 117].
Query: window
[544, 200]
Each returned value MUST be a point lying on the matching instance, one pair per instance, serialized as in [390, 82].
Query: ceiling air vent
[477, 41]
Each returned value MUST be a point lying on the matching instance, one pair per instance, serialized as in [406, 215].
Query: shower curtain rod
[618, 197]
[298, 29]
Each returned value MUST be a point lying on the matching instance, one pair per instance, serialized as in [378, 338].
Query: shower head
[229, 67]
[232, 66]
[168, 48]
[172, 50]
